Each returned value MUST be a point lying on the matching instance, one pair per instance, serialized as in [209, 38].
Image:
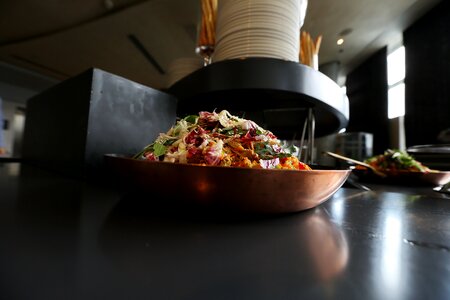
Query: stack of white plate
[258, 28]
[181, 67]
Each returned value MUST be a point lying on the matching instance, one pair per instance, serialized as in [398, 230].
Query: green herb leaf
[266, 152]
[291, 149]
[169, 142]
[230, 131]
[191, 119]
[143, 151]
[159, 149]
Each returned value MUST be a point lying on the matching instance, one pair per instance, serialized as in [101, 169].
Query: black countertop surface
[62, 238]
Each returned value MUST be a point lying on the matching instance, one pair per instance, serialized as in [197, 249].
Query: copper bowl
[238, 189]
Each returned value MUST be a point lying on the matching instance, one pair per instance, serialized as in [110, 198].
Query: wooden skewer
[302, 51]
[212, 20]
[318, 42]
[214, 5]
[305, 48]
[209, 13]
[301, 54]
[309, 48]
[203, 36]
[341, 157]
[205, 14]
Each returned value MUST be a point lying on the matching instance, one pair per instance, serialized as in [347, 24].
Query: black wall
[367, 93]
[427, 44]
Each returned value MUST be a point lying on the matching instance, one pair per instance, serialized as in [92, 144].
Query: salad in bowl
[218, 161]
[221, 139]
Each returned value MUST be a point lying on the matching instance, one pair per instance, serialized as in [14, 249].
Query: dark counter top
[66, 239]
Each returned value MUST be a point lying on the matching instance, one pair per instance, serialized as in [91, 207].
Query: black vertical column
[367, 93]
[427, 44]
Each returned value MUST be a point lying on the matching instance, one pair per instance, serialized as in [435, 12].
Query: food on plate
[394, 161]
[221, 139]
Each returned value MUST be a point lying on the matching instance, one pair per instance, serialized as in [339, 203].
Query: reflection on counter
[147, 243]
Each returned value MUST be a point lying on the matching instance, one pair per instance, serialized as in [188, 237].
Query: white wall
[17, 85]
[9, 110]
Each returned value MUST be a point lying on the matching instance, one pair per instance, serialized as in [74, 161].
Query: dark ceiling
[60, 39]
